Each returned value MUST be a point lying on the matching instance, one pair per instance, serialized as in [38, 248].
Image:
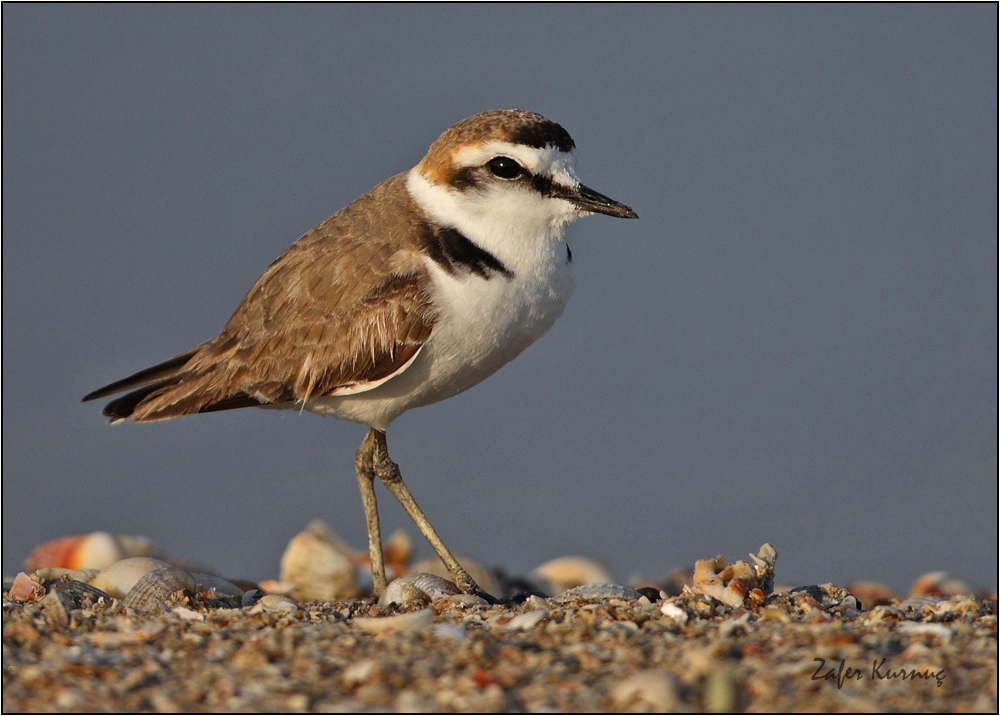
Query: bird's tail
[178, 386]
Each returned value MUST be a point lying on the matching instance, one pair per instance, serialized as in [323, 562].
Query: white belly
[482, 325]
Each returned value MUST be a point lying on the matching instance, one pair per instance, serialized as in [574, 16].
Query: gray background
[797, 343]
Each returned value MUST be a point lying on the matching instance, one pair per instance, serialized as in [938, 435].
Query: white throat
[512, 223]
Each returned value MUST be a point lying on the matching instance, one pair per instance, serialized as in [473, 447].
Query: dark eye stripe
[472, 177]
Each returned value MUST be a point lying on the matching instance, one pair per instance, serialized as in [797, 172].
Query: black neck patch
[454, 252]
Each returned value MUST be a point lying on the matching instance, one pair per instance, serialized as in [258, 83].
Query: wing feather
[342, 310]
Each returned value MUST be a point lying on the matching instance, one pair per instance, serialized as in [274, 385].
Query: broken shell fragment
[600, 591]
[46, 574]
[674, 612]
[732, 584]
[25, 588]
[120, 577]
[417, 587]
[705, 569]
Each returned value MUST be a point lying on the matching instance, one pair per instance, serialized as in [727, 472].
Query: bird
[414, 292]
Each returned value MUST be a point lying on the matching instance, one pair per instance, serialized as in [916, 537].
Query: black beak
[587, 199]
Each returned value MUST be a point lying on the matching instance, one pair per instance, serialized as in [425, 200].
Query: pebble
[938, 631]
[526, 621]
[402, 623]
[26, 588]
[674, 613]
[648, 691]
[600, 591]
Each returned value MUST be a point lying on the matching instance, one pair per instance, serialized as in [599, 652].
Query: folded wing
[333, 315]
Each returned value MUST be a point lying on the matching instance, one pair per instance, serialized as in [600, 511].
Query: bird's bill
[586, 199]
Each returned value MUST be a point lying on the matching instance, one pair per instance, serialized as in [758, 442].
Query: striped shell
[121, 576]
[161, 587]
[417, 587]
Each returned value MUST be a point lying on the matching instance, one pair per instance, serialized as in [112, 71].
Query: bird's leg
[366, 481]
[388, 472]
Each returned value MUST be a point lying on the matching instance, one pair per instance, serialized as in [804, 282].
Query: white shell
[526, 621]
[274, 603]
[318, 570]
[121, 576]
[417, 587]
[558, 575]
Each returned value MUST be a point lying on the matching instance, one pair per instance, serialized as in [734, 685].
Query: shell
[599, 591]
[398, 549]
[732, 584]
[871, 594]
[526, 621]
[96, 550]
[67, 594]
[483, 577]
[250, 597]
[461, 600]
[49, 573]
[558, 575]
[274, 603]
[121, 576]
[417, 587]
[161, 586]
[939, 584]
[318, 570]
[25, 588]
[674, 612]
[222, 587]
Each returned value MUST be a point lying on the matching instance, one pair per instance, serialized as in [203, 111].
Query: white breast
[482, 324]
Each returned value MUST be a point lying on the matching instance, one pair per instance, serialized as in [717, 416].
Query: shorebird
[410, 294]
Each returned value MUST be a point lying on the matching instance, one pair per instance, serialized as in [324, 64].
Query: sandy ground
[811, 649]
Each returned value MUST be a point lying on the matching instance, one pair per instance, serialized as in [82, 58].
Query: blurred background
[796, 343]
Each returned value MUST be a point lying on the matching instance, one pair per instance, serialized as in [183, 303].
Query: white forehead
[547, 161]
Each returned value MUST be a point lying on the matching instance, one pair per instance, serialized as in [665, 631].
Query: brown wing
[343, 308]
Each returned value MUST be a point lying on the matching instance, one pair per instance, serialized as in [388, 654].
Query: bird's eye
[505, 167]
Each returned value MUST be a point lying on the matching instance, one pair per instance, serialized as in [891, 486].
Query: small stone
[649, 690]
[411, 621]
